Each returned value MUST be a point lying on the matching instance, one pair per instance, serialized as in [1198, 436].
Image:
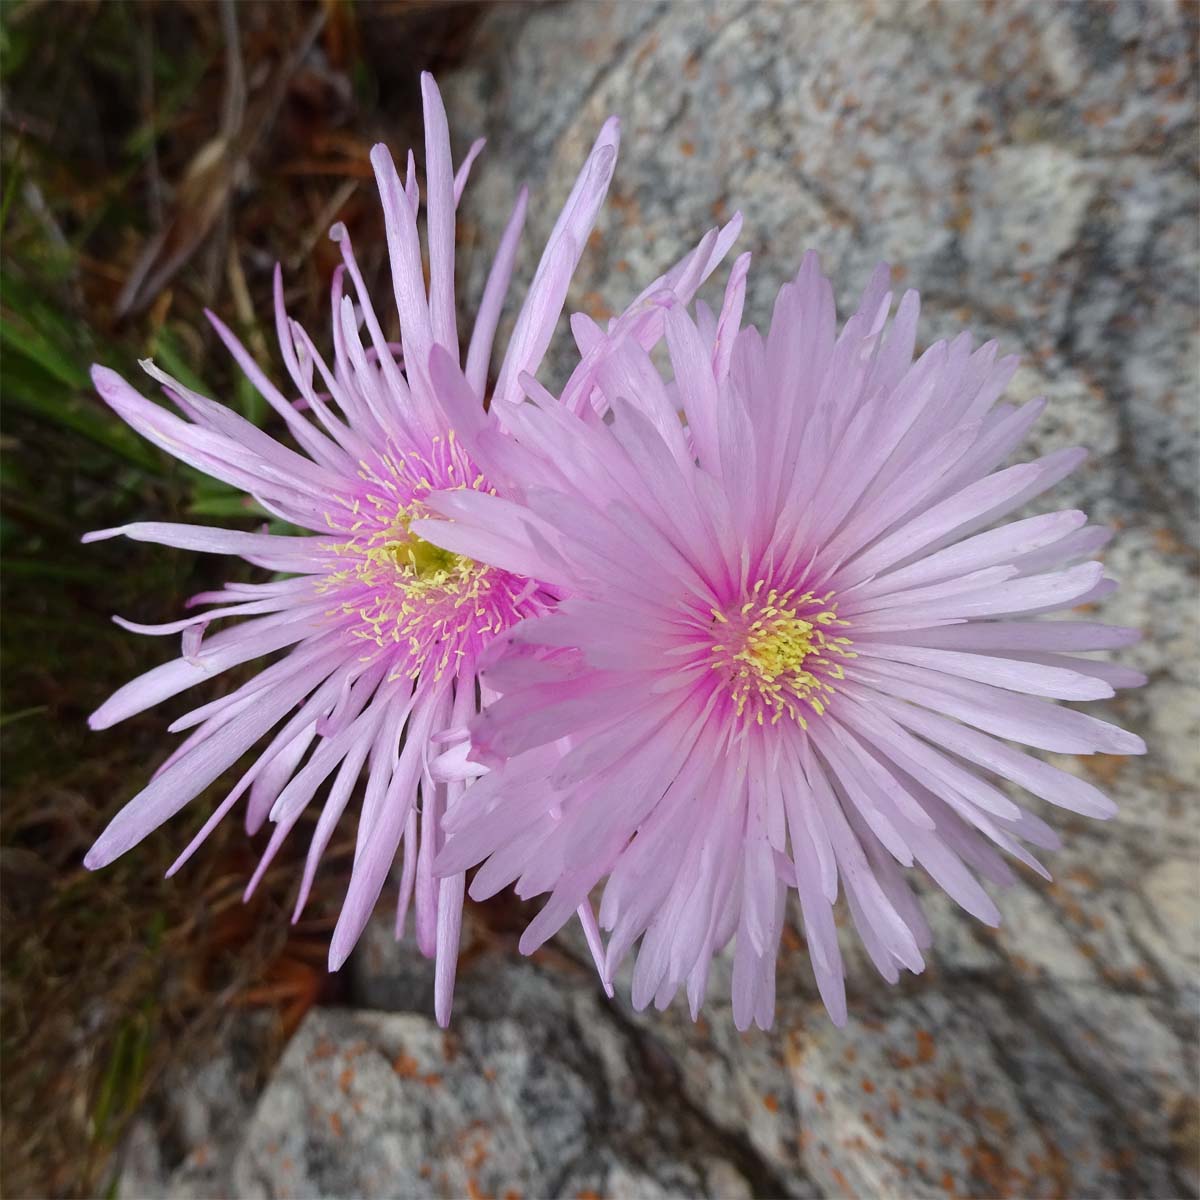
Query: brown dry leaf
[210, 177]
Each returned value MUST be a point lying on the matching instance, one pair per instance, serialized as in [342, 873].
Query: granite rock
[536, 1090]
[182, 1146]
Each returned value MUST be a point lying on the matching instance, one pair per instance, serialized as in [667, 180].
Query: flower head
[792, 648]
[383, 630]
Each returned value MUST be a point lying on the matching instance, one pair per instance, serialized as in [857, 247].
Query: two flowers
[716, 624]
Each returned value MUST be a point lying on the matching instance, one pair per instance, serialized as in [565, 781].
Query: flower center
[775, 646]
[426, 610]
[416, 560]
[425, 607]
[778, 653]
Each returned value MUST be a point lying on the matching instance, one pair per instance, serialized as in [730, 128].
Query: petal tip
[103, 376]
[100, 720]
[342, 943]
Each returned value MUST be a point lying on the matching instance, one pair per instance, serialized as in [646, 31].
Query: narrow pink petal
[449, 926]
[408, 872]
[464, 170]
[1033, 679]
[487, 317]
[439, 205]
[320, 447]
[404, 249]
[991, 496]
[1051, 784]
[543, 303]
[301, 554]
[374, 857]
[226, 649]
[1020, 719]
[395, 381]
[335, 805]
[983, 550]
[169, 792]
[984, 636]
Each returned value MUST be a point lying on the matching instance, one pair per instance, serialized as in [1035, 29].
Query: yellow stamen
[776, 657]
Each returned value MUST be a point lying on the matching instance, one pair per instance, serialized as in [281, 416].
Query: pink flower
[793, 648]
[383, 630]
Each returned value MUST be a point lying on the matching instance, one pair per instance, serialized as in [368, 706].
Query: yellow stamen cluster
[397, 549]
[779, 652]
[407, 595]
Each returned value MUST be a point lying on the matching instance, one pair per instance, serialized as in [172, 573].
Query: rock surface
[532, 1093]
[1031, 169]
[541, 1088]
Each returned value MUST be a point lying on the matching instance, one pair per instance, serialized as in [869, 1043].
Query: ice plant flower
[794, 644]
[382, 629]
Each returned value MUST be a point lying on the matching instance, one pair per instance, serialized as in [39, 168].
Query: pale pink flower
[793, 648]
[382, 630]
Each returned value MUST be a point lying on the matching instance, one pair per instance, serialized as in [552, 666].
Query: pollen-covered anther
[778, 653]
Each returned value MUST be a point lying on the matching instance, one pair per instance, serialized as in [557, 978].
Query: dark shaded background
[157, 158]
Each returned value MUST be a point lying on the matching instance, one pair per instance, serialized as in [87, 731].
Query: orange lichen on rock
[925, 1046]
[405, 1066]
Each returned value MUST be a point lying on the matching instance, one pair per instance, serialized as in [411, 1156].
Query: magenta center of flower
[777, 653]
[426, 608]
